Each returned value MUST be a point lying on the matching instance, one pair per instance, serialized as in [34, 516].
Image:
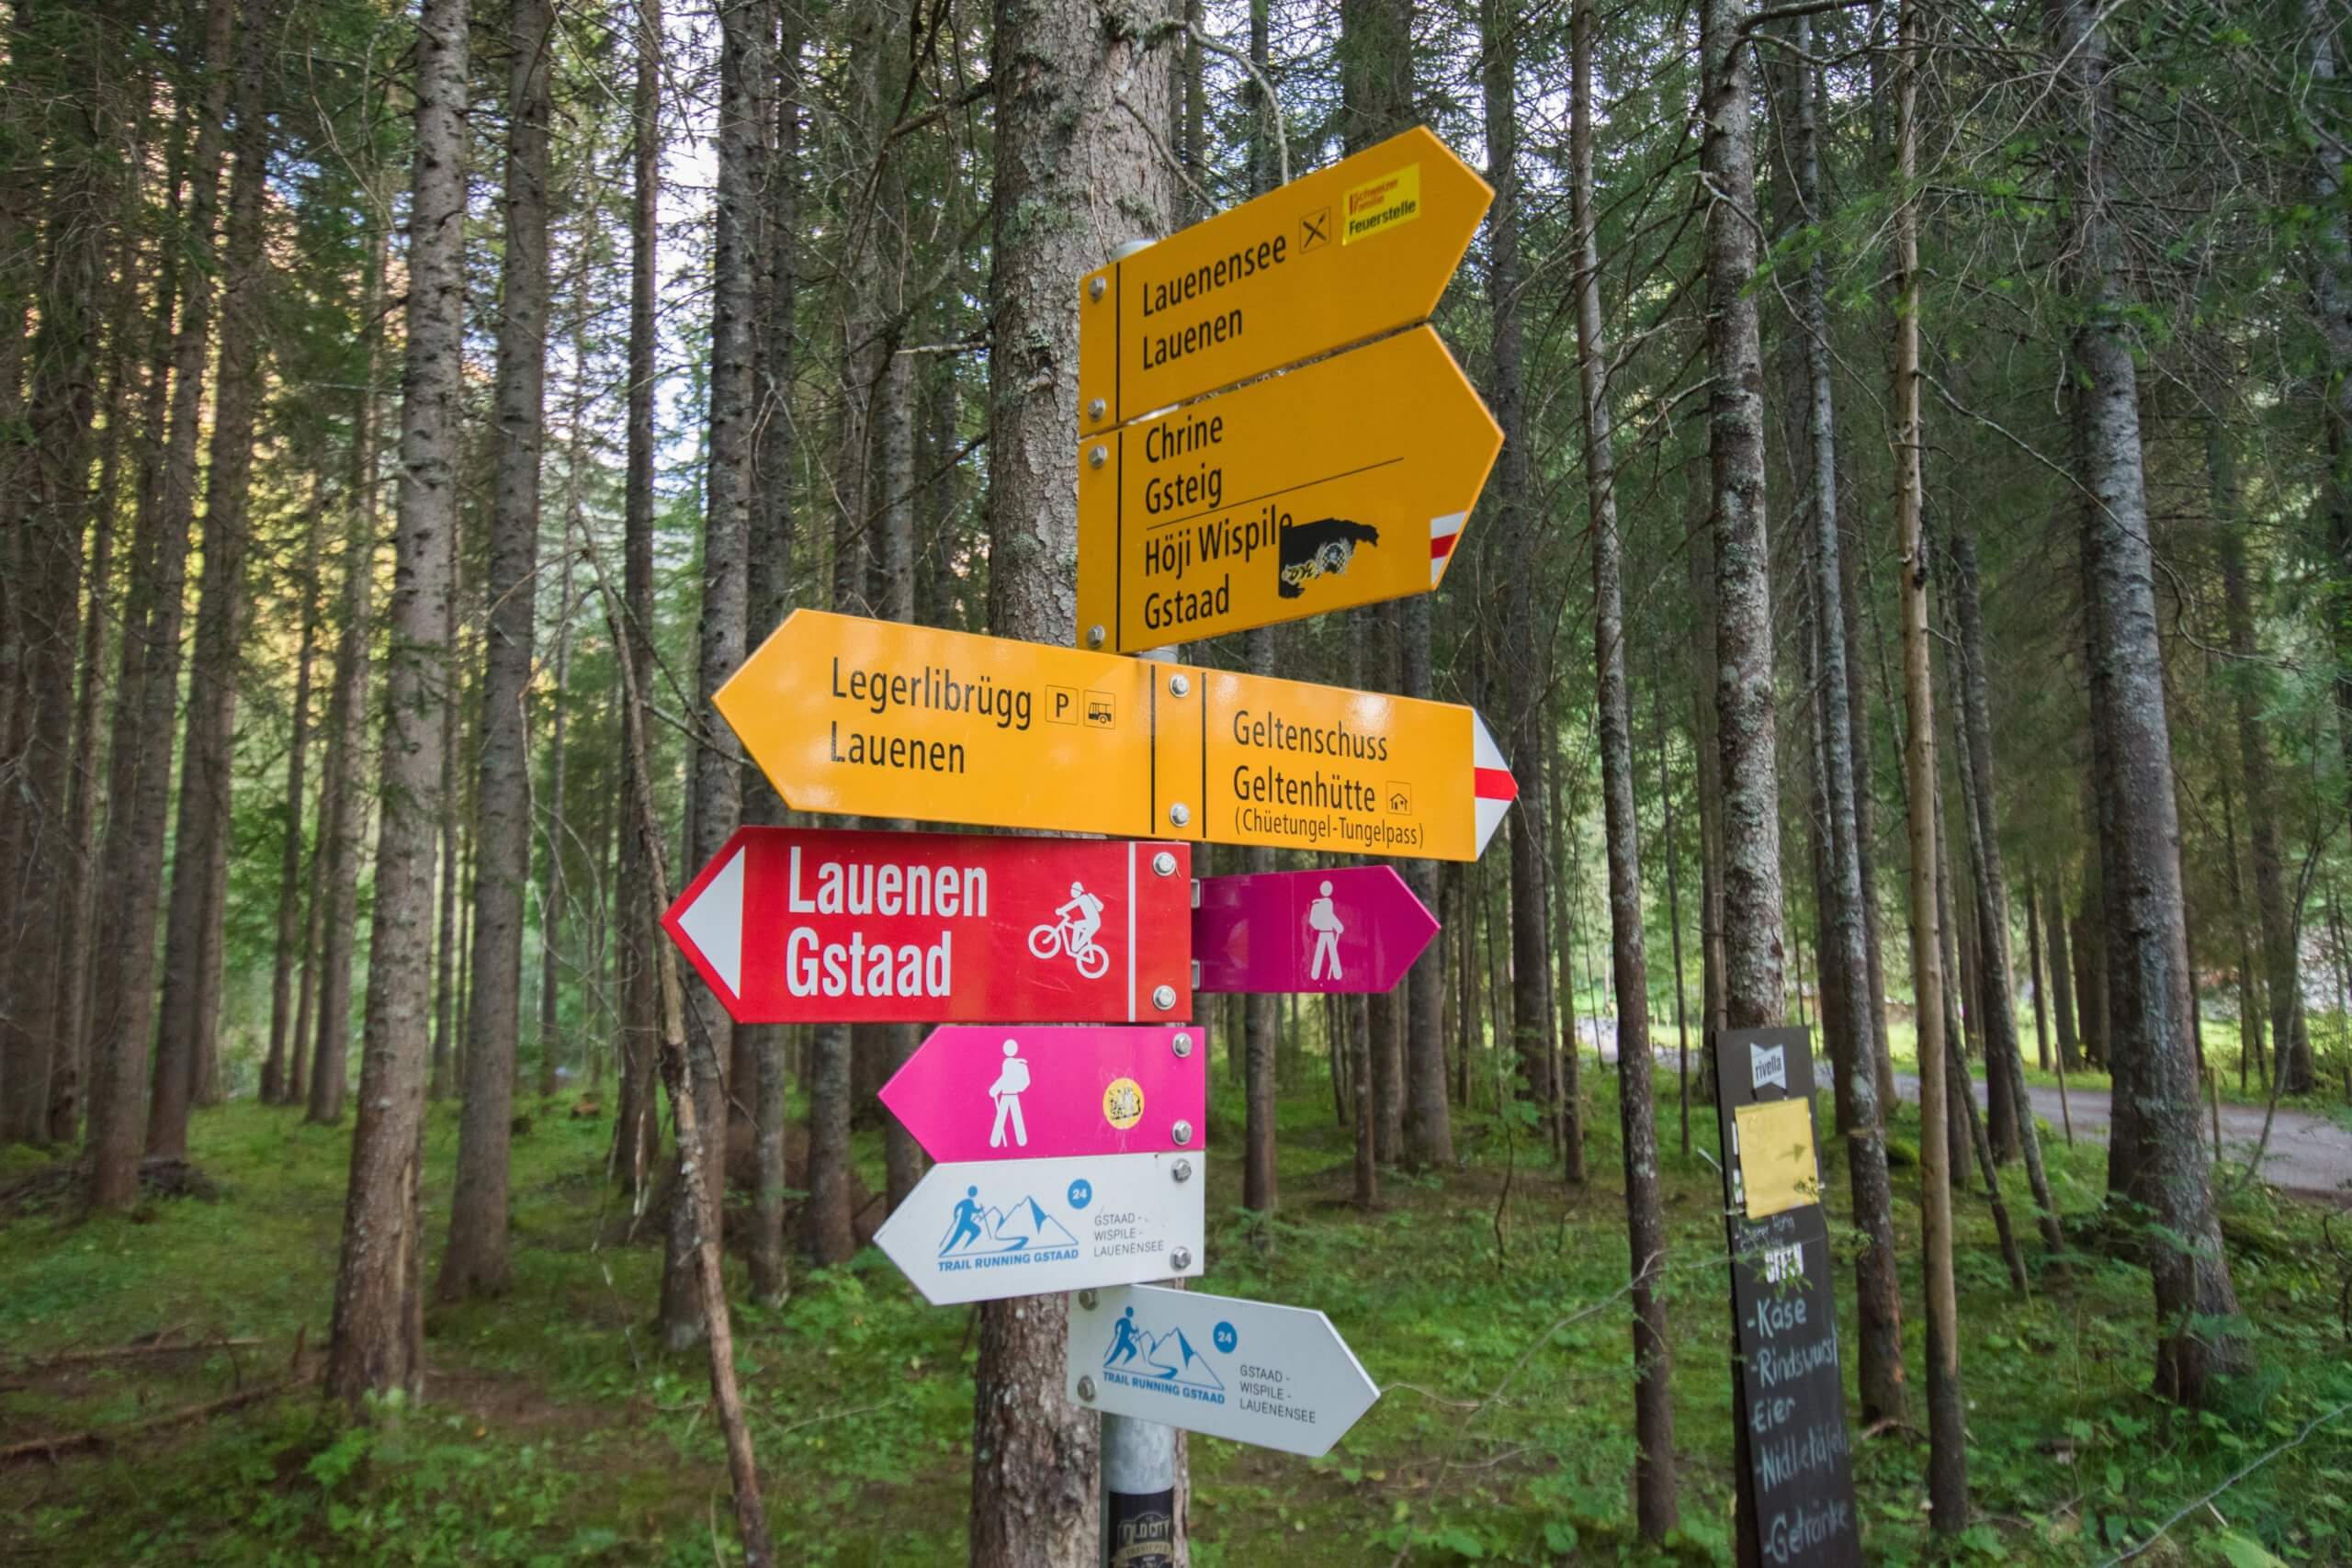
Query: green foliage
[551, 1432]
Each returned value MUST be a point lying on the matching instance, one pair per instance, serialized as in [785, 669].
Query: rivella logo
[1768, 1065]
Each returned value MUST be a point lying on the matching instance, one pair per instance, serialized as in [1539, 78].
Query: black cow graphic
[1311, 549]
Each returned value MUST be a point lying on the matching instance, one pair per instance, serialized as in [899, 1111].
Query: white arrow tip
[714, 922]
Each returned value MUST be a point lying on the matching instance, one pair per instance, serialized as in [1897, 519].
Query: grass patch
[553, 1431]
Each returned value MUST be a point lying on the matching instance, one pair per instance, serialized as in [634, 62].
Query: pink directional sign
[1053, 1093]
[1351, 928]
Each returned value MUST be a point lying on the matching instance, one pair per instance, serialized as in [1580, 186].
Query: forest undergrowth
[1488, 1303]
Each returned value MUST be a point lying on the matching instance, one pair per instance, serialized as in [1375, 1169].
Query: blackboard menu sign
[1796, 1472]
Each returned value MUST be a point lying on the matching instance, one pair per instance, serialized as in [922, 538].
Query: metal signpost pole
[1140, 1523]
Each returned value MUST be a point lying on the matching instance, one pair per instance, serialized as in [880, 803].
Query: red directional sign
[1354, 928]
[795, 925]
[1011, 1093]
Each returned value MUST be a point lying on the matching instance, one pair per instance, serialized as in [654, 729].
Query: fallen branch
[106, 1437]
[134, 1352]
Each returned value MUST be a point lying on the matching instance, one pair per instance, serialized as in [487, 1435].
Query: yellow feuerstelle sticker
[1123, 1103]
[1377, 206]
[1275, 281]
[1776, 1164]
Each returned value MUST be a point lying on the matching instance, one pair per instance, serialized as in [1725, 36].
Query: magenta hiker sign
[1007, 1092]
[1350, 928]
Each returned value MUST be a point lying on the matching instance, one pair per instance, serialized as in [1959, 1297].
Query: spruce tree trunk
[1645, 1233]
[188, 1019]
[1994, 991]
[2149, 986]
[768, 592]
[44, 568]
[1511, 525]
[378, 1332]
[714, 803]
[1872, 1004]
[1750, 824]
[2279, 923]
[637, 1127]
[1077, 172]
[294, 900]
[2062, 988]
[2034, 977]
[553, 897]
[1851, 1030]
[123, 982]
[2325, 126]
[449, 923]
[1947, 1412]
[344, 808]
[476, 1261]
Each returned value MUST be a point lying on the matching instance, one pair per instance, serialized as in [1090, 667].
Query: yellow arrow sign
[1343, 483]
[882, 719]
[1330, 259]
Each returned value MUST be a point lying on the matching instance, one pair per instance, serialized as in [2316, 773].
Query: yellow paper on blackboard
[1777, 1163]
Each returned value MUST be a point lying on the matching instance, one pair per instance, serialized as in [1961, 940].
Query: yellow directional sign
[882, 719]
[1342, 483]
[1330, 259]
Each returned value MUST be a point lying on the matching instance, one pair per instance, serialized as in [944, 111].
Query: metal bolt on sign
[1163, 998]
[1182, 1134]
[1163, 864]
[1182, 1045]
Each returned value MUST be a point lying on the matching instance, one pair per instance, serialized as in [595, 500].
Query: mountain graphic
[1024, 1226]
[1166, 1357]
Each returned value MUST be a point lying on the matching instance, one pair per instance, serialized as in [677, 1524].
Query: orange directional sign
[1342, 483]
[1343, 254]
[882, 719]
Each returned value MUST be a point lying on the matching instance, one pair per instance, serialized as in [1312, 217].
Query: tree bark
[379, 1325]
[1851, 1029]
[2062, 988]
[2320, 107]
[1749, 801]
[2148, 981]
[343, 808]
[1947, 1413]
[44, 566]
[2004, 1054]
[123, 982]
[637, 1129]
[714, 804]
[1076, 173]
[294, 900]
[553, 899]
[1645, 1233]
[768, 591]
[188, 1019]
[2280, 922]
[476, 1261]
[1872, 1004]
[1994, 994]
[449, 923]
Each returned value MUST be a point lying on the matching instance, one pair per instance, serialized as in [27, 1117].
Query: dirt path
[2308, 1153]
